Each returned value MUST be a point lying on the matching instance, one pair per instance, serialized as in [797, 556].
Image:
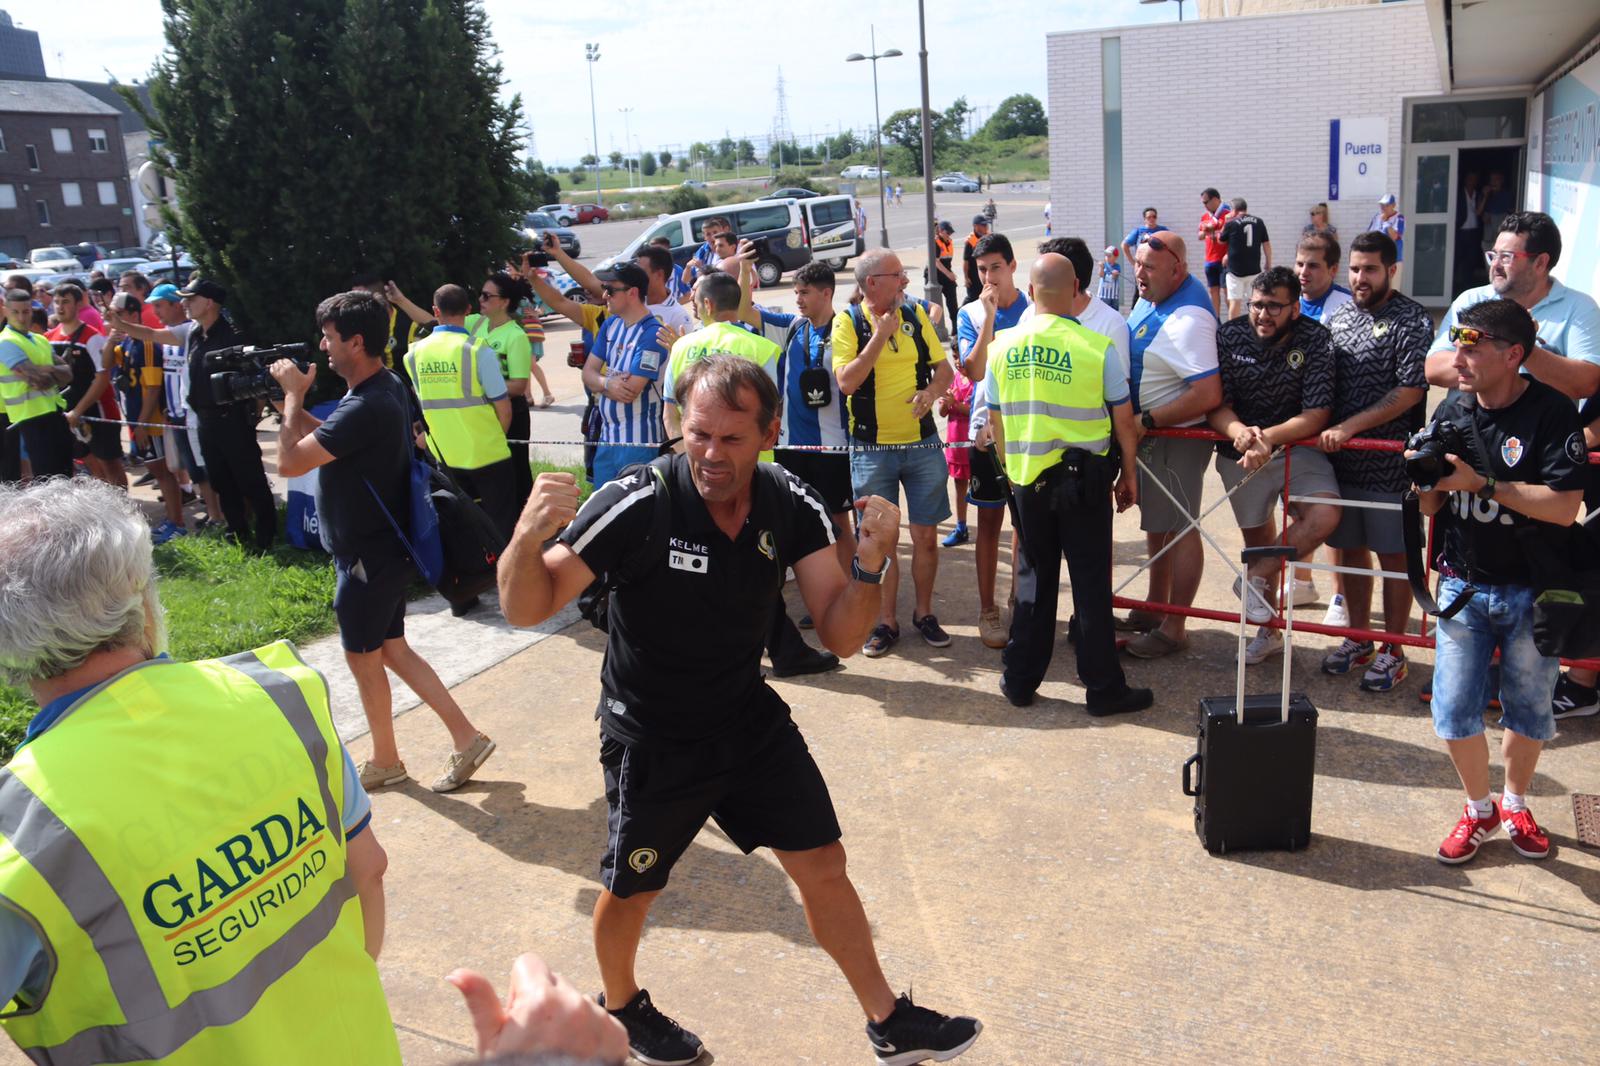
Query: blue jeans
[1499, 616]
[609, 461]
[922, 470]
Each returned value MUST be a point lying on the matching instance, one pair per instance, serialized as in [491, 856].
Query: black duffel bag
[471, 540]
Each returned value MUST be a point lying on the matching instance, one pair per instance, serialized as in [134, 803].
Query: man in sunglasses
[1277, 388]
[1531, 475]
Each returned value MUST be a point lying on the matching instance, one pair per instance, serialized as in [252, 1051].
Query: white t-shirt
[1100, 317]
[674, 315]
[1171, 345]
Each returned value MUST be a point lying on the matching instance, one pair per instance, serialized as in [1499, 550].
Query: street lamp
[1178, 2]
[931, 289]
[627, 136]
[856, 57]
[591, 52]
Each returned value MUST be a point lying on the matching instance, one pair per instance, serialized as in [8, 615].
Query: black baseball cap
[630, 274]
[980, 220]
[204, 287]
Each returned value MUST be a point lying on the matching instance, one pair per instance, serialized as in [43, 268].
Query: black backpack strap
[653, 549]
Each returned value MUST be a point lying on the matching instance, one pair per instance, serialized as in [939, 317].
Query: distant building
[19, 50]
[63, 169]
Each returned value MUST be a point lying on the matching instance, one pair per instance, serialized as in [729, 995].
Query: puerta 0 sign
[1358, 158]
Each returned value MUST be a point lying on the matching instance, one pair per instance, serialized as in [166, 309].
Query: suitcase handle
[1188, 789]
[1287, 553]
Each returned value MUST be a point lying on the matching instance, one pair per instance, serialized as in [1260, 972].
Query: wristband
[868, 577]
[1487, 492]
[1147, 420]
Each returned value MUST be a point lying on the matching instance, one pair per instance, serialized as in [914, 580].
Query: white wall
[1241, 104]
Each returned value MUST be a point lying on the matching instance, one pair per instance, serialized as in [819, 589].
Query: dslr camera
[1431, 444]
[241, 373]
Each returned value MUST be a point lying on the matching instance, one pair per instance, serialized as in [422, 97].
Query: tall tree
[647, 164]
[665, 157]
[300, 161]
[1021, 115]
[616, 160]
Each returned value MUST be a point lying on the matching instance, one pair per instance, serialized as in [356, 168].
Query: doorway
[1489, 190]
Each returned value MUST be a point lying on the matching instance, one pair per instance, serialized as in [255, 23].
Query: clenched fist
[552, 504]
[879, 532]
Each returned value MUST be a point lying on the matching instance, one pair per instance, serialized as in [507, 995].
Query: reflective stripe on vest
[220, 1013]
[1049, 376]
[463, 429]
[22, 401]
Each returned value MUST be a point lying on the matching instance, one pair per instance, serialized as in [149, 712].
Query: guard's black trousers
[233, 464]
[1070, 515]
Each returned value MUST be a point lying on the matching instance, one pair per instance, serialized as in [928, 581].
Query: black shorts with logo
[986, 487]
[827, 472]
[105, 441]
[759, 782]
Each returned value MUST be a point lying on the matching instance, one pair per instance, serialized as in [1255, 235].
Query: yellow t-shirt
[880, 410]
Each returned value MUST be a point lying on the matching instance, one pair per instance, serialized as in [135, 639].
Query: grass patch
[219, 600]
[541, 466]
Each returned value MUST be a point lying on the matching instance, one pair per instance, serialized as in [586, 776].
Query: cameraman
[1507, 417]
[227, 430]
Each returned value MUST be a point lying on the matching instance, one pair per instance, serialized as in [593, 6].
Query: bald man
[1057, 392]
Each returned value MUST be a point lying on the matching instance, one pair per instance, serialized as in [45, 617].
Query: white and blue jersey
[676, 289]
[1322, 309]
[1171, 345]
[969, 323]
[634, 350]
[809, 348]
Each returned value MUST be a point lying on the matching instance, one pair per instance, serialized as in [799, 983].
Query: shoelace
[1466, 827]
[1522, 821]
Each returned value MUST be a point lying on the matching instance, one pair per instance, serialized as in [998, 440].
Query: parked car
[88, 254]
[957, 182]
[117, 266]
[789, 194]
[133, 253]
[535, 224]
[590, 213]
[564, 214]
[53, 255]
[692, 184]
[860, 172]
[776, 227]
[160, 270]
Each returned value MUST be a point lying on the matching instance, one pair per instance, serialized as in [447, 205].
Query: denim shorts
[922, 470]
[1499, 616]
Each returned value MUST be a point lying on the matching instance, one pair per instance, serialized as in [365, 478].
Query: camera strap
[1416, 567]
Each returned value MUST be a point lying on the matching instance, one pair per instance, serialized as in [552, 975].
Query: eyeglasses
[897, 274]
[1493, 257]
[485, 294]
[612, 290]
[1470, 336]
[1268, 307]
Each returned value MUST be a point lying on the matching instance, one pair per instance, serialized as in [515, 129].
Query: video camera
[241, 373]
[1431, 444]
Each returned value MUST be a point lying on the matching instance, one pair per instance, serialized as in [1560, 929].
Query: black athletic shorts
[105, 442]
[369, 600]
[826, 472]
[759, 783]
[985, 486]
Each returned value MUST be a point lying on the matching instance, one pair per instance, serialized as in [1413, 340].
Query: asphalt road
[1020, 216]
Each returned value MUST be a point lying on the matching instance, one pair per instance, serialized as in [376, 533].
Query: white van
[831, 229]
[777, 227]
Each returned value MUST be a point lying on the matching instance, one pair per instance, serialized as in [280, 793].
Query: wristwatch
[1147, 420]
[1487, 492]
[868, 577]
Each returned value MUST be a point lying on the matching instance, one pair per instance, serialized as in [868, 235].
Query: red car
[591, 213]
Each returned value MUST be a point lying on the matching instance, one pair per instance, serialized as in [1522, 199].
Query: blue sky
[690, 70]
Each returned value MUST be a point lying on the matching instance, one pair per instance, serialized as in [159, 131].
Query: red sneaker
[1526, 836]
[1462, 843]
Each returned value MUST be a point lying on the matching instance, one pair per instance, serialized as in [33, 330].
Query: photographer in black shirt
[363, 454]
[1528, 471]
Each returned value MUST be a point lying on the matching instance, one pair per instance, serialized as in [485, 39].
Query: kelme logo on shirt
[1511, 450]
[693, 558]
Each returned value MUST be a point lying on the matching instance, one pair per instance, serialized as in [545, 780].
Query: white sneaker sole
[1578, 712]
[910, 1058]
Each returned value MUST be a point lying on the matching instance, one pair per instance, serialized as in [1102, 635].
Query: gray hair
[869, 263]
[76, 577]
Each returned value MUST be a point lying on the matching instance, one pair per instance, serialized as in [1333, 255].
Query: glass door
[1430, 230]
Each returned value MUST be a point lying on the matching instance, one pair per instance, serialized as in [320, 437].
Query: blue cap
[164, 291]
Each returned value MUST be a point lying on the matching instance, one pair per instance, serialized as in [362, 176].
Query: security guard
[1055, 389]
[189, 871]
[29, 377]
[466, 405]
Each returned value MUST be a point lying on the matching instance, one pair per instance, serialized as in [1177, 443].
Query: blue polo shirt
[1568, 321]
[969, 323]
[1137, 235]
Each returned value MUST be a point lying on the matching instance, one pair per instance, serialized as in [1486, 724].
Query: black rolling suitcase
[1251, 776]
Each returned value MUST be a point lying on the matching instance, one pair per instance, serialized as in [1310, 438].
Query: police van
[831, 229]
[778, 228]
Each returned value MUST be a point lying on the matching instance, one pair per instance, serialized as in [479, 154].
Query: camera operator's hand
[1462, 479]
[551, 505]
[295, 382]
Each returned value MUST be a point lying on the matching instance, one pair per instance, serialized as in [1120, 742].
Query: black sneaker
[916, 1034]
[1573, 700]
[1013, 697]
[931, 631]
[653, 1038]
[811, 662]
[1129, 699]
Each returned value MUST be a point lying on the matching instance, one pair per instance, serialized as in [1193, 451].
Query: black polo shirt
[1267, 386]
[683, 662]
[220, 335]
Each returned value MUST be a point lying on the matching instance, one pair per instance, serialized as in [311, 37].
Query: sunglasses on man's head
[1161, 246]
[1470, 336]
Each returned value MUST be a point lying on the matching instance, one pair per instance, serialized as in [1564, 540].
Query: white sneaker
[1337, 614]
[1305, 592]
[1257, 610]
[1267, 641]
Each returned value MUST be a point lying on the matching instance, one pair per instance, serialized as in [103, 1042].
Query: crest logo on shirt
[650, 361]
[768, 546]
[1141, 332]
[1577, 451]
[1296, 359]
[1379, 329]
[1511, 450]
[641, 859]
[905, 327]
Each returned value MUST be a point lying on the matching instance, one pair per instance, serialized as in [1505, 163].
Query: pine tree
[313, 139]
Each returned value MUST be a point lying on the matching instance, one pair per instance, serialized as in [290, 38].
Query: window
[830, 213]
[108, 192]
[2, 141]
[97, 141]
[8, 197]
[71, 194]
[61, 140]
[33, 157]
[1469, 120]
[672, 229]
[44, 212]
[756, 219]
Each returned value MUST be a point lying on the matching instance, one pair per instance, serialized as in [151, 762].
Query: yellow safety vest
[729, 339]
[1049, 374]
[176, 840]
[464, 431]
[22, 401]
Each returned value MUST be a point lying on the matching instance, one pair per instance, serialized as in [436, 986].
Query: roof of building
[107, 93]
[49, 98]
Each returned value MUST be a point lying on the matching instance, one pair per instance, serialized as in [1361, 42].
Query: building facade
[63, 169]
[19, 50]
